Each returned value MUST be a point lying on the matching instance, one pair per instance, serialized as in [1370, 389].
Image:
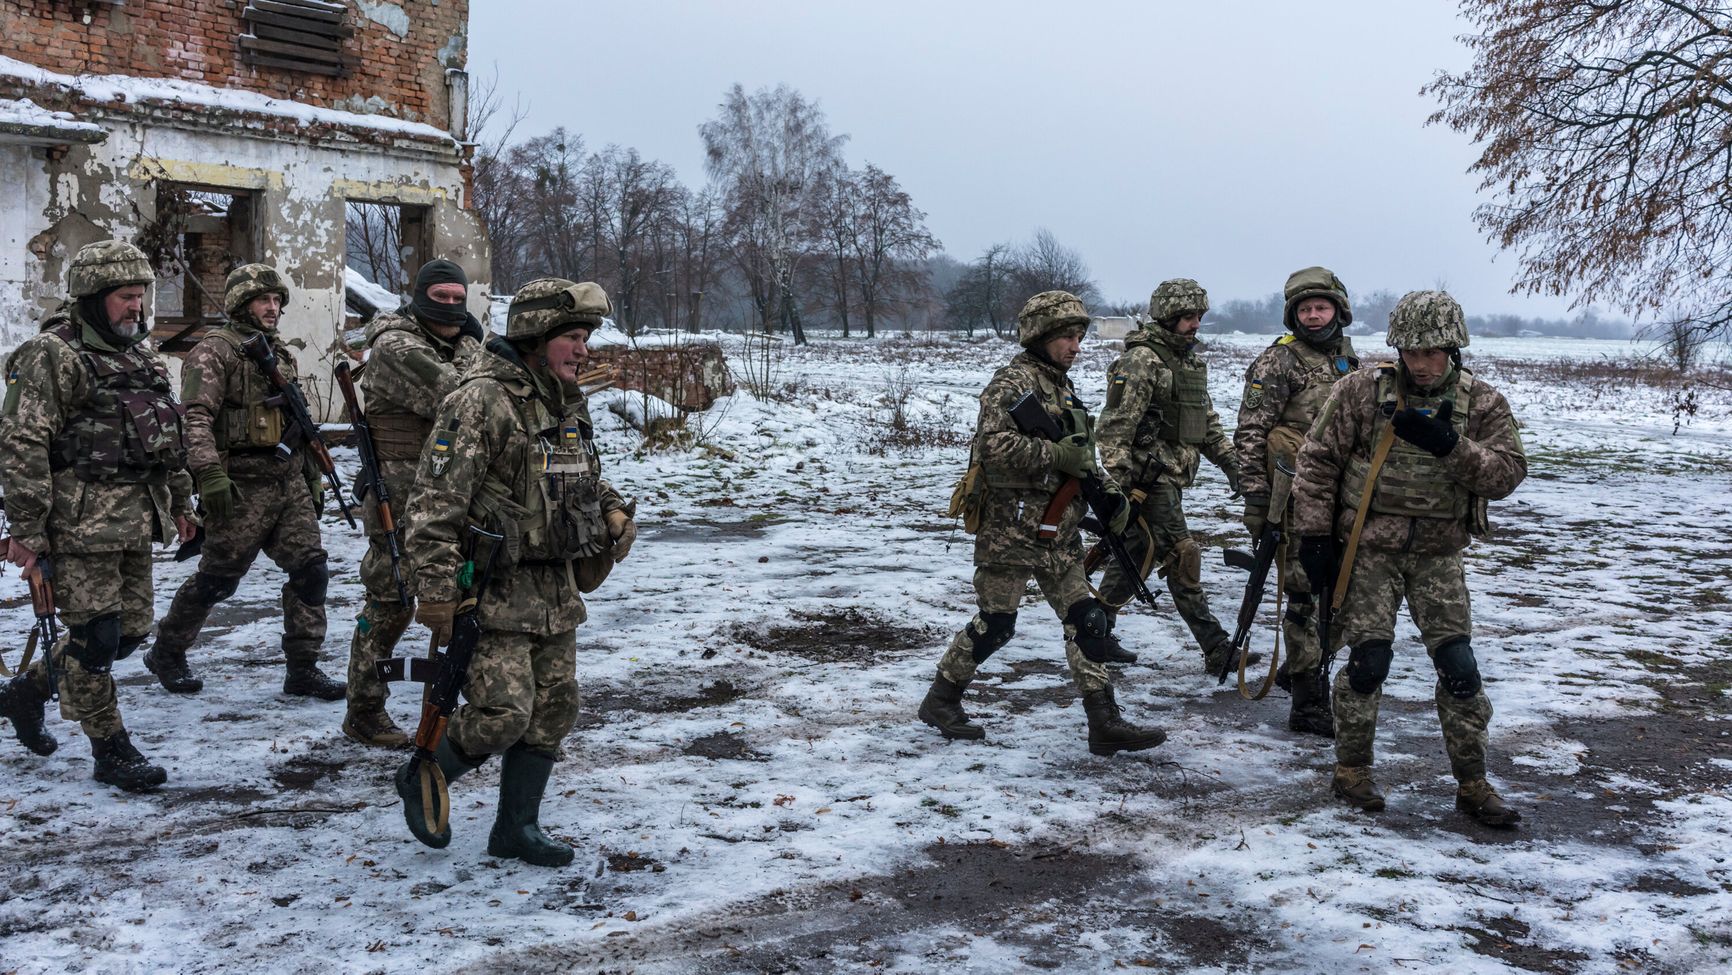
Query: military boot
[452, 763]
[305, 679]
[1217, 655]
[1479, 800]
[942, 709]
[120, 765]
[368, 723]
[1310, 713]
[1353, 783]
[22, 704]
[170, 667]
[1116, 652]
[517, 829]
[1109, 732]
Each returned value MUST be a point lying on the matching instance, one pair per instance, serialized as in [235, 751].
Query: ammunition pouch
[399, 436]
[129, 428]
[966, 498]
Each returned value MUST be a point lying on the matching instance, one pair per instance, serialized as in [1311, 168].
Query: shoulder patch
[1284, 340]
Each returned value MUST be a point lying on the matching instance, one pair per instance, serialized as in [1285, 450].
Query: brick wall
[196, 40]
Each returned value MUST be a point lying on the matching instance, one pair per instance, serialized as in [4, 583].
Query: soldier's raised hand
[1431, 433]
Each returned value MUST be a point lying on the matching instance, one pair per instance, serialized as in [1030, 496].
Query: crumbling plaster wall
[22, 285]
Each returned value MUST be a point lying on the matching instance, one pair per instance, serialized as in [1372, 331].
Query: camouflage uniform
[93, 461]
[1425, 504]
[1017, 476]
[1157, 424]
[1285, 388]
[232, 431]
[409, 370]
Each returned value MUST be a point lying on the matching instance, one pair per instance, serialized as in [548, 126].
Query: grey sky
[1230, 142]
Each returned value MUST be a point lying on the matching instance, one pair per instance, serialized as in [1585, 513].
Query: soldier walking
[1285, 388]
[93, 460]
[415, 358]
[1400, 466]
[1157, 423]
[252, 500]
[513, 453]
[1018, 474]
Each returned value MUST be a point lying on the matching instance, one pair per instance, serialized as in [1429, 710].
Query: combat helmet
[547, 304]
[1047, 313]
[1316, 282]
[1175, 298]
[248, 282]
[1427, 320]
[107, 264]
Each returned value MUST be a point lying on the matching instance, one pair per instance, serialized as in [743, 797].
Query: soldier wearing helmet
[253, 499]
[1012, 479]
[415, 357]
[512, 452]
[87, 494]
[1393, 482]
[1285, 388]
[1157, 424]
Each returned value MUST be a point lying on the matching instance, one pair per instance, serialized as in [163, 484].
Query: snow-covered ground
[748, 789]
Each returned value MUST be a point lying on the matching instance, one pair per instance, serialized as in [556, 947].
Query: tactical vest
[397, 435]
[129, 429]
[1185, 409]
[245, 422]
[1413, 483]
[1318, 373]
[552, 513]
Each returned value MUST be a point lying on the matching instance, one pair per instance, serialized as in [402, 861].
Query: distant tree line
[1371, 313]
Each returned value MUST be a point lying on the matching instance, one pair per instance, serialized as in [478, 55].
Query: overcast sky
[1231, 142]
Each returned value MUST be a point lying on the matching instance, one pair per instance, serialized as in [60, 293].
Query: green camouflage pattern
[1315, 282]
[1177, 559]
[1142, 394]
[1046, 313]
[1017, 470]
[566, 303]
[248, 282]
[130, 428]
[1427, 320]
[227, 421]
[1000, 589]
[522, 688]
[1175, 298]
[1285, 388]
[107, 264]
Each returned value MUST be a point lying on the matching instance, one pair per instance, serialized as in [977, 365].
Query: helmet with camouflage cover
[546, 304]
[1175, 298]
[248, 282]
[1047, 313]
[1427, 320]
[1315, 282]
[107, 264]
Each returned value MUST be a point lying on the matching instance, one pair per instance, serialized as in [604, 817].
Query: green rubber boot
[517, 830]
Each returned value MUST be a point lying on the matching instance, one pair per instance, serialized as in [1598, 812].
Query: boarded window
[296, 35]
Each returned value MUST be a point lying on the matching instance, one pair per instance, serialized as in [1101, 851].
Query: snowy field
[748, 789]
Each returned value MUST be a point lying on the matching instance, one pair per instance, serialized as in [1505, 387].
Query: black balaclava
[434, 272]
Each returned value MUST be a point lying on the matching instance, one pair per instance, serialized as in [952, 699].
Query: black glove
[1118, 518]
[1317, 555]
[1433, 434]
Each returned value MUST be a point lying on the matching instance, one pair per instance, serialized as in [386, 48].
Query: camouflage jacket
[47, 385]
[1017, 471]
[1285, 388]
[409, 370]
[503, 444]
[228, 422]
[1136, 431]
[1421, 503]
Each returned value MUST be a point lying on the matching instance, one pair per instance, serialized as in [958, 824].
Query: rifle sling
[1275, 651]
[1378, 456]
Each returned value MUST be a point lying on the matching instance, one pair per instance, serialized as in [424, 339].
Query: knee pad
[95, 644]
[1092, 627]
[1185, 564]
[129, 644]
[989, 631]
[1457, 669]
[1299, 613]
[310, 581]
[210, 590]
[1368, 665]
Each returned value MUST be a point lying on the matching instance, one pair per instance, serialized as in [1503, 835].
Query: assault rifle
[445, 674]
[1032, 418]
[1264, 548]
[301, 430]
[46, 631]
[373, 480]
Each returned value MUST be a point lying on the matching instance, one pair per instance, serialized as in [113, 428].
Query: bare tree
[1602, 126]
[981, 295]
[373, 243]
[835, 230]
[495, 186]
[891, 237]
[1044, 264]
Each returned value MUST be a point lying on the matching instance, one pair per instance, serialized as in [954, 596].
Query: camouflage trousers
[88, 586]
[999, 589]
[1435, 590]
[1299, 623]
[522, 688]
[1167, 543]
[274, 516]
[384, 617]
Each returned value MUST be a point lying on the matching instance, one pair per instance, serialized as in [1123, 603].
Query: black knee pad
[1368, 665]
[129, 644]
[1299, 611]
[95, 644]
[310, 581]
[989, 632]
[1456, 668]
[1092, 627]
[210, 590]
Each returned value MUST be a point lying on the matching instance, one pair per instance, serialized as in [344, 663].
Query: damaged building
[227, 131]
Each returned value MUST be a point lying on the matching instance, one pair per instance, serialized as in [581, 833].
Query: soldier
[1400, 464]
[93, 460]
[513, 453]
[416, 358]
[1157, 422]
[1016, 475]
[1285, 388]
[252, 500]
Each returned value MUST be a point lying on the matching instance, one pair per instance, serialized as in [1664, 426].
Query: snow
[23, 111]
[748, 790]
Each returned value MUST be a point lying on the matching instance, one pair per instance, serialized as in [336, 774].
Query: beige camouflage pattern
[522, 688]
[1000, 589]
[1140, 396]
[1177, 558]
[1427, 320]
[1315, 282]
[248, 282]
[228, 423]
[107, 264]
[547, 303]
[1046, 313]
[1017, 470]
[1176, 298]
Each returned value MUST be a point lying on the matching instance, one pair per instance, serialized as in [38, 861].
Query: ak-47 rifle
[1032, 418]
[301, 430]
[46, 631]
[445, 674]
[1266, 549]
[373, 480]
